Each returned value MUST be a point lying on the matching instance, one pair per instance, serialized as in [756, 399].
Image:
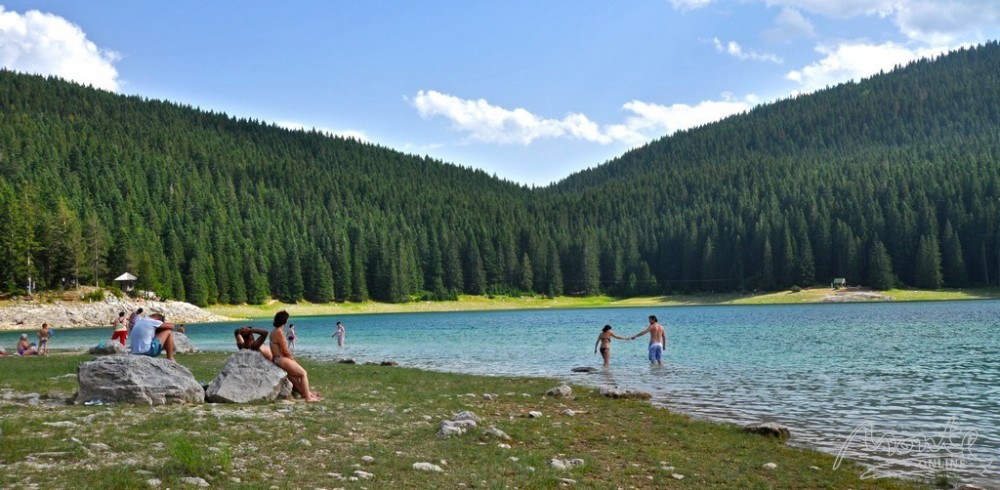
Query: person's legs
[299, 378]
[166, 338]
[606, 354]
[120, 336]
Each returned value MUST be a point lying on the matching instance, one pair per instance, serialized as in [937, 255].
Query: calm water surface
[918, 384]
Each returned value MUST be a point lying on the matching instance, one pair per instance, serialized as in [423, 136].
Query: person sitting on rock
[282, 358]
[152, 335]
[24, 348]
[245, 340]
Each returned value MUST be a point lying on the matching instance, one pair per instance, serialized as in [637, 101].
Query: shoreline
[655, 441]
[70, 312]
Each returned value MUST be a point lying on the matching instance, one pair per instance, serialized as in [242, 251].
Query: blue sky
[529, 91]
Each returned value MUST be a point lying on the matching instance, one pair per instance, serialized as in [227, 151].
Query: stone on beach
[616, 392]
[108, 347]
[771, 429]
[585, 369]
[248, 377]
[182, 344]
[561, 391]
[564, 464]
[423, 466]
[138, 380]
[458, 424]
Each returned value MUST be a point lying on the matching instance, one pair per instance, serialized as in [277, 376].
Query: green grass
[392, 415]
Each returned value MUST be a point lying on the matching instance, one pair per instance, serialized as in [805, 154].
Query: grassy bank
[390, 414]
[482, 303]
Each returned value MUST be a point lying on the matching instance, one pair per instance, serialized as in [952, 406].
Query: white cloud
[732, 48]
[47, 44]
[930, 22]
[487, 123]
[853, 61]
[689, 4]
[346, 133]
[790, 24]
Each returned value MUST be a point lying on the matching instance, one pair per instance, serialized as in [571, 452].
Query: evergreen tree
[880, 267]
[928, 267]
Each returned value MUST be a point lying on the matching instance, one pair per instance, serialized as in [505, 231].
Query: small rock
[389, 363]
[814, 468]
[335, 476]
[568, 412]
[677, 476]
[63, 423]
[305, 442]
[466, 415]
[514, 459]
[494, 432]
[367, 459]
[534, 414]
[584, 369]
[561, 391]
[427, 467]
[556, 463]
[489, 396]
[769, 466]
[194, 480]
[154, 482]
[364, 475]
[347, 361]
[503, 446]
[771, 429]
[567, 481]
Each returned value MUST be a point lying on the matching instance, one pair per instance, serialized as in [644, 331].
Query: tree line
[889, 181]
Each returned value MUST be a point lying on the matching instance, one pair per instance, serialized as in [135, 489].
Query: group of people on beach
[28, 348]
[657, 341]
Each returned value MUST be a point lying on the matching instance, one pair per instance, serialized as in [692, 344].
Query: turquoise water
[923, 379]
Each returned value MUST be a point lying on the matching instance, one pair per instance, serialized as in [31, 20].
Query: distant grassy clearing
[483, 303]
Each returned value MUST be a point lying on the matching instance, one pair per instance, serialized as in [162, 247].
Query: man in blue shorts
[657, 340]
[151, 335]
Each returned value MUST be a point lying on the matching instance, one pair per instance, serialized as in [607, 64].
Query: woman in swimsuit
[283, 359]
[340, 333]
[604, 341]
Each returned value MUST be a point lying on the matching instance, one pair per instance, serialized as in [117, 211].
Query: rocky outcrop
[69, 314]
[585, 369]
[138, 380]
[249, 377]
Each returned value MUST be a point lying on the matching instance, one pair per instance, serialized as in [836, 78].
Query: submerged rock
[585, 369]
[616, 392]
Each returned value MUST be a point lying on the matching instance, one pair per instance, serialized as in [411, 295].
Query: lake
[908, 388]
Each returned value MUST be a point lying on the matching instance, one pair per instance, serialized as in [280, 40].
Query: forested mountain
[892, 179]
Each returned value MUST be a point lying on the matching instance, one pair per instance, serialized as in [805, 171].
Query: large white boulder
[138, 380]
[249, 377]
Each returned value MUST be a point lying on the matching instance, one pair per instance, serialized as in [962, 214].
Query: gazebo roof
[126, 277]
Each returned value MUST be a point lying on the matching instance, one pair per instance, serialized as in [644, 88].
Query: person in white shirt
[152, 335]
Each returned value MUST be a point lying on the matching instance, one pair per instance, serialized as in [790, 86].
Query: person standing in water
[604, 341]
[340, 334]
[291, 336]
[657, 340]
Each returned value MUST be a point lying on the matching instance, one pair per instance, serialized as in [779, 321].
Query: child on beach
[120, 329]
[604, 341]
[43, 339]
[282, 358]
